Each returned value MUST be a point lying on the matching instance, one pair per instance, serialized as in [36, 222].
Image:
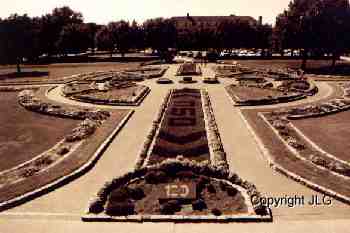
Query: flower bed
[217, 152]
[138, 193]
[188, 69]
[323, 109]
[283, 156]
[254, 96]
[182, 131]
[211, 80]
[108, 93]
[302, 86]
[231, 71]
[164, 81]
[187, 80]
[28, 100]
[150, 71]
[303, 149]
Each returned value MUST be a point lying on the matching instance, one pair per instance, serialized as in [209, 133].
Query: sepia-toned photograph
[164, 116]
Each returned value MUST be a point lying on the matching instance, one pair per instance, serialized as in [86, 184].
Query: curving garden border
[325, 112]
[297, 155]
[98, 117]
[68, 178]
[96, 205]
[279, 168]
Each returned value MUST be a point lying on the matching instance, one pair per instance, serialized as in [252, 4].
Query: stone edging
[181, 218]
[279, 168]
[217, 152]
[66, 179]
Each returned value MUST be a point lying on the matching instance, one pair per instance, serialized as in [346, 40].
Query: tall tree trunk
[18, 65]
[334, 61]
[305, 56]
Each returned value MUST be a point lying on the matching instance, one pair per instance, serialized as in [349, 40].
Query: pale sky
[104, 11]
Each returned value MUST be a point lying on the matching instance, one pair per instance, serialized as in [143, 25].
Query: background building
[188, 23]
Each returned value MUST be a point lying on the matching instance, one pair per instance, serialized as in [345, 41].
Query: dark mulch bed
[183, 129]
[144, 197]
[24, 134]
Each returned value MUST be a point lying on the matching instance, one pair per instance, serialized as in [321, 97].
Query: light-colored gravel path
[244, 156]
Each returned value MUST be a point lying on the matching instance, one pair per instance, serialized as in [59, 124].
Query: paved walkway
[59, 211]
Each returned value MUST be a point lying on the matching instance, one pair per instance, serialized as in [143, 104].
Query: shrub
[136, 194]
[261, 210]
[96, 207]
[63, 151]
[211, 188]
[201, 183]
[231, 191]
[120, 209]
[186, 174]
[173, 168]
[199, 205]
[170, 207]
[120, 195]
[216, 212]
[156, 177]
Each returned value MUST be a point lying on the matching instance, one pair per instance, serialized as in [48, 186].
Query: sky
[104, 11]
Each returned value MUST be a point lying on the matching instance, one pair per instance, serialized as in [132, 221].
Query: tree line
[313, 27]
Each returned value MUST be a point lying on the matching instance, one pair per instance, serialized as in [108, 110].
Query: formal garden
[151, 122]
[181, 174]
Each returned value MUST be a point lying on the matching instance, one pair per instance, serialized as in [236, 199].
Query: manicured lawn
[25, 134]
[331, 133]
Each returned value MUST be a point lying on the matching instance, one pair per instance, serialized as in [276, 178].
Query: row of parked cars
[225, 54]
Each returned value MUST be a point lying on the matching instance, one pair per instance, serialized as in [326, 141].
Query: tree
[74, 38]
[137, 36]
[92, 29]
[314, 26]
[52, 25]
[334, 16]
[121, 35]
[104, 40]
[18, 34]
[264, 37]
[160, 34]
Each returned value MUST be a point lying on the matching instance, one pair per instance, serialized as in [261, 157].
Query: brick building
[188, 23]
